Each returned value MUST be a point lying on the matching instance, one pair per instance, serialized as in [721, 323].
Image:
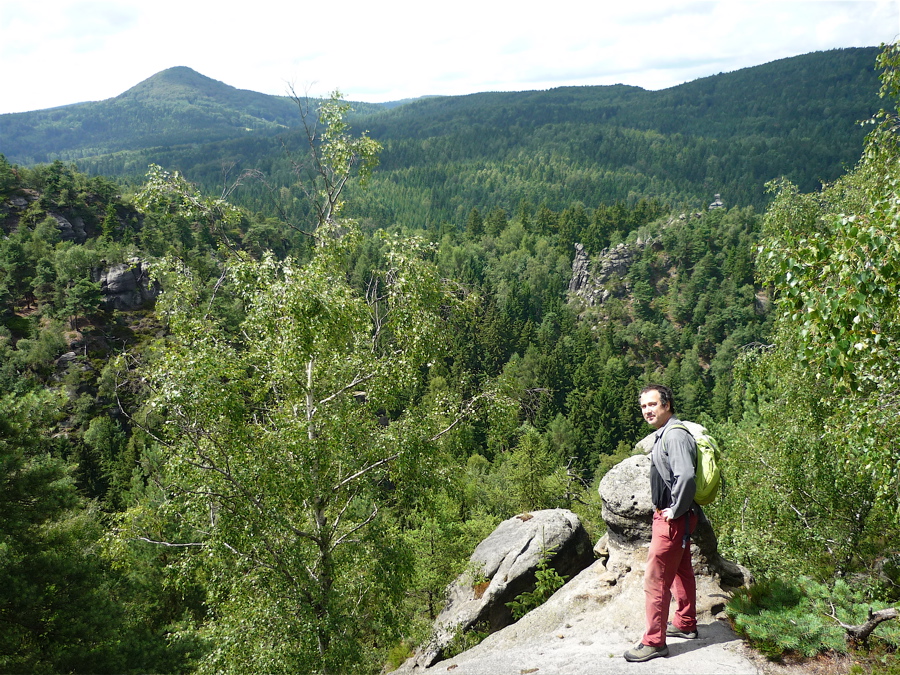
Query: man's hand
[668, 514]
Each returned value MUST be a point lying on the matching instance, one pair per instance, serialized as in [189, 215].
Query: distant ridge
[443, 155]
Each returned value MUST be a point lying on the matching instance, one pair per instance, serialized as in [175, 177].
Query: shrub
[780, 617]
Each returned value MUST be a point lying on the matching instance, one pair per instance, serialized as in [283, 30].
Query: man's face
[655, 413]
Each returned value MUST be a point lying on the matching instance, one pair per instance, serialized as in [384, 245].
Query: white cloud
[64, 51]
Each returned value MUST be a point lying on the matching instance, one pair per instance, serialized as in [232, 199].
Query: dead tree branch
[861, 632]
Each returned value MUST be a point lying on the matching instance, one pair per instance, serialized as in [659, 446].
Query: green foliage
[803, 617]
[798, 485]
[185, 209]
[335, 158]
[7, 177]
[548, 581]
[296, 454]
[108, 442]
[64, 608]
[877, 665]
[443, 542]
[398, 654]
[83, 299]
[812, 458]
[778, 618]
[464, 640]
[301, 420]
[819, 252]
[36, 355]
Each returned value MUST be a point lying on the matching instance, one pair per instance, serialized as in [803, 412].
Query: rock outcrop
[127, 286]
[70, 230]
[628, 512]
[587, 624]
[502, 567]
[591, 278]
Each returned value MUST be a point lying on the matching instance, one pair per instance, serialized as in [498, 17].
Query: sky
[59, 52]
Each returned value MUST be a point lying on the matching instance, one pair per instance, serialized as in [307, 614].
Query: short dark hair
[666, 397]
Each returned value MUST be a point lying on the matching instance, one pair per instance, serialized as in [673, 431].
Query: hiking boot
[644, 653]
[674, 631]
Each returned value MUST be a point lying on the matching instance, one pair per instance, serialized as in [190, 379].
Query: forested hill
[176, 106]
[774, 99]
[729, 133]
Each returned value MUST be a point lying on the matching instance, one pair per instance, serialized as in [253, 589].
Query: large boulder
[584, 628]
[502, 567]
[70, 230]
[627, 508]
[628, 512]
[128, 286]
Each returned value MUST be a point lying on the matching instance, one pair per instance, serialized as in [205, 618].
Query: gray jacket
[674, 461]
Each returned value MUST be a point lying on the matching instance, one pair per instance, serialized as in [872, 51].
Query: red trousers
[669, 567]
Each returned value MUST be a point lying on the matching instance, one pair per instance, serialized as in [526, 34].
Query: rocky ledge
[587, 625]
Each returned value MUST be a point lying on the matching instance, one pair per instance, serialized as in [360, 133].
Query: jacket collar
[662, 429]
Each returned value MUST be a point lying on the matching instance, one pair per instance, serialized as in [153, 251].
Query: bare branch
[359, 379]
[227, 189]
[861, 632]
[215, 290]
[448, 429]
[167, 543]
[350, 479]
[761, 346]
[467, 410]
[358, 527]
[336, 522]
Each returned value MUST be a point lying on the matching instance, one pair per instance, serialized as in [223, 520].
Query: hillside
[775, 99]
[728, 134]
[178, 105]
[186, 449]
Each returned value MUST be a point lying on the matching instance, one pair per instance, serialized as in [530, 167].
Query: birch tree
[288, 438]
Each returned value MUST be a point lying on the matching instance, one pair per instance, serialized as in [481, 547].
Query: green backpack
[708, 474]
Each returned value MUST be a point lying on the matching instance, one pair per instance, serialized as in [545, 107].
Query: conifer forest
[262, 393]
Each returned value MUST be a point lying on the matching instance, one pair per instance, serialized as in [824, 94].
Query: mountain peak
[181, 75]
[178, 83]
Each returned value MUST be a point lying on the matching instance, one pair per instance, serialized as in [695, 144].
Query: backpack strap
[687, 514]
[679, 426]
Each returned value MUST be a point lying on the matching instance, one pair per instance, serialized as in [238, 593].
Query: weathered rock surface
[590, 278]
[591, 621]
[587, 625]
[581, 271]
[627, 508]
[505, 565]
[127, 286]
[70, 230]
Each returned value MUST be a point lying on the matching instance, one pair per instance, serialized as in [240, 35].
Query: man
[672, 468]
